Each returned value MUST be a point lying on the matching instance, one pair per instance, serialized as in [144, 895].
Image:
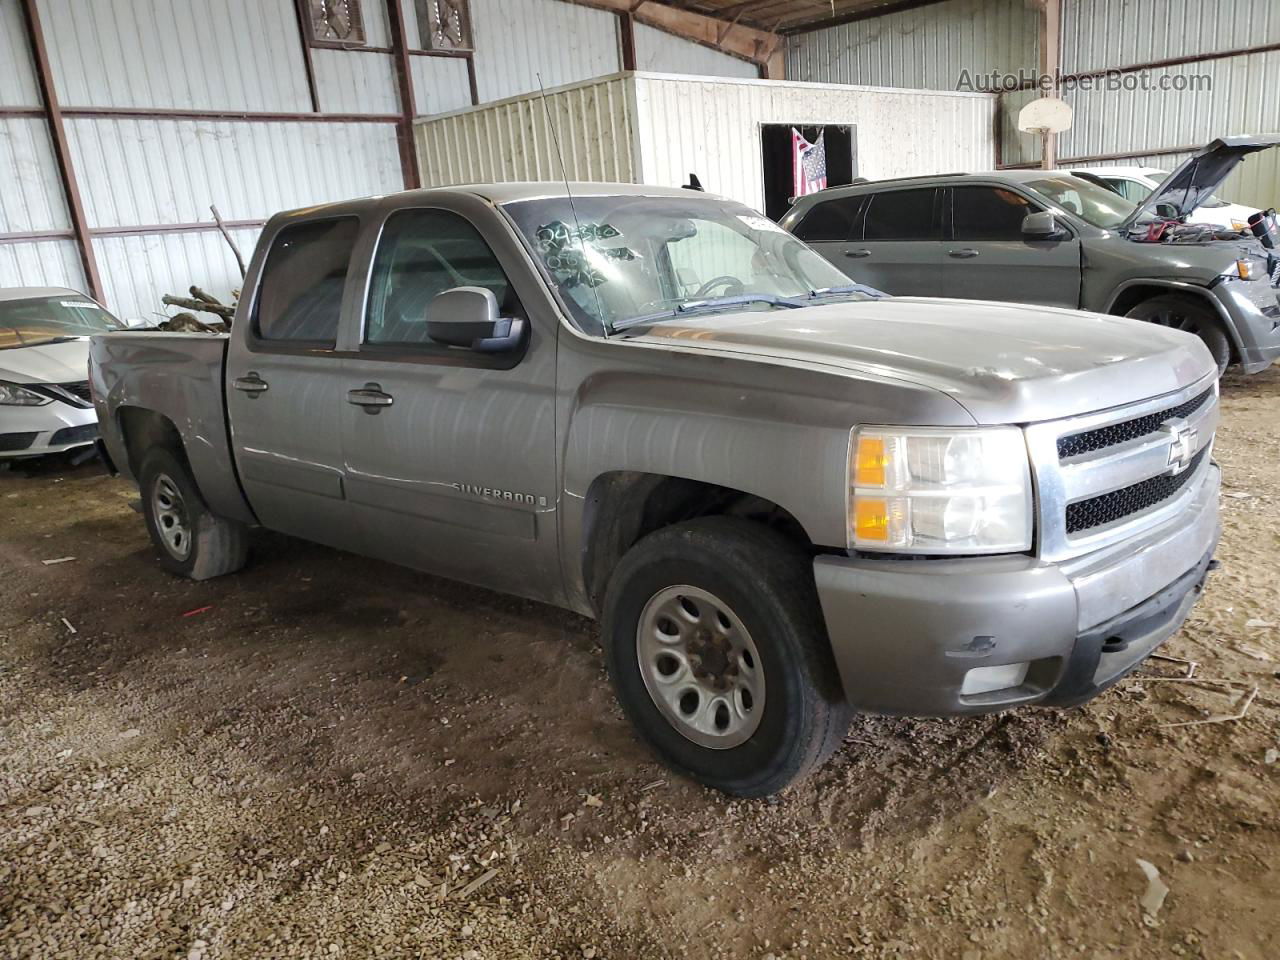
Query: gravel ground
[324, 756]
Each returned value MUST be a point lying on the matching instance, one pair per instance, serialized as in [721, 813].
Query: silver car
[1057, 239]
[45, 406]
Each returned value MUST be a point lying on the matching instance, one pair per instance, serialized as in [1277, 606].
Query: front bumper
[52, 428]
[1254, 309]
[907, 633]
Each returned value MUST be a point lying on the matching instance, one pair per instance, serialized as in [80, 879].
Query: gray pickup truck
[786, 497]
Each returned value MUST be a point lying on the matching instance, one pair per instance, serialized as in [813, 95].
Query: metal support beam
[408, 109]
[61, 149]
[1050, 64]
[308, 66]
[627, 40]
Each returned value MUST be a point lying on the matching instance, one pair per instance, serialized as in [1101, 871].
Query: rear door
[899, 246]
[988, 258]
[286, 389]
[450, 453]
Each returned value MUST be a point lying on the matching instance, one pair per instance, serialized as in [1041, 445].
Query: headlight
[12, 395]
[934, 490]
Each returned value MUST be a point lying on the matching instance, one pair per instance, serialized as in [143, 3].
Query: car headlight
[12, 395]
[935, 490]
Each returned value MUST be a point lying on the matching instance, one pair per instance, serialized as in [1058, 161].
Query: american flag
[808, 164]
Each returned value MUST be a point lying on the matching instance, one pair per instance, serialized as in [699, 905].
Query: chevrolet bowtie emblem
[1182, 443]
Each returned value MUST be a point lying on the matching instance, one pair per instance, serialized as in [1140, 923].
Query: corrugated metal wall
[17, 75]
[660, 52]
[516, 40]
[925, 48]
[657, 128]
[513, 139]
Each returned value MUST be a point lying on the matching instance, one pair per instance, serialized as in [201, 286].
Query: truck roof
[31, 293]
[509, 193]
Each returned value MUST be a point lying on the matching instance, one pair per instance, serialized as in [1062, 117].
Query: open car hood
[1193, 182]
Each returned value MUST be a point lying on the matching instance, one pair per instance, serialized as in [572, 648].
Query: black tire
[1191, 315]
[193, 542]
[767, 581]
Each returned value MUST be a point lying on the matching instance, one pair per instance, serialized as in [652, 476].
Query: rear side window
[421, 254]
[830, 220]
[902, 215]
[988, 213]
[300, 295]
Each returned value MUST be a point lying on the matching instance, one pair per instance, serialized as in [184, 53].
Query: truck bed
[179, 377]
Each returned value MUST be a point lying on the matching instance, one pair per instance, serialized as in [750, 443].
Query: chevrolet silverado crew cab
[1061, 239]
[785, 496]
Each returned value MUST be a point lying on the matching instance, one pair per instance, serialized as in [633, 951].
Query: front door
[450, 453]
[986, 256]
[286, 386]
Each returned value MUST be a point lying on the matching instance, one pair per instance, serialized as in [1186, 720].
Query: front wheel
[719, 655]
[193, 541]
[1191, 315]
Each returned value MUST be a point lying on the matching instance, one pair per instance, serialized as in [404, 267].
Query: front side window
[614, 260]
[988, 213]
[830, 220]
[335, 22]
[1087, 200]
[300, 295]
[40, 320]
[421, 254]
[902, 215]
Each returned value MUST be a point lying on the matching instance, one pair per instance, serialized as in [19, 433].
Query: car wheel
[718, 652]
[1194, 316]
[193, 541]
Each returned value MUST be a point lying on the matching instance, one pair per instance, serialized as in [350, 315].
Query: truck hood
[1004, 363]
[65, 362]
[1192, 183]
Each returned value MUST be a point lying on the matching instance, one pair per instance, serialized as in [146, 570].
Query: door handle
[857, 254]
[968, 253]
[371, 397]
[251, 383]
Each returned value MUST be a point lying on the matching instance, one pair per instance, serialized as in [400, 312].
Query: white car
[45, 405]
[1137, 183]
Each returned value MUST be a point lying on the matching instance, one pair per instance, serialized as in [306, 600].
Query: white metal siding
[713, 129]
[135, 172]
[137, 270]
[17, 70]
[516, 40]
[31, 196]
[217, 54]
[513, 139]
[349, 81]
[42, 263]
[1115, 33]
[925, 48]
[439, 84]
[660, 52]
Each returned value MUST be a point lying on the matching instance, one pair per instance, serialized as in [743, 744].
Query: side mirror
[468, 317]
[1041, 226]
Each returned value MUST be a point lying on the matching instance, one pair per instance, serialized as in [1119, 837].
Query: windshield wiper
[701, 306]
[848, 288]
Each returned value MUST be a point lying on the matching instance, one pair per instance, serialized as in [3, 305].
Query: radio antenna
[573, 207]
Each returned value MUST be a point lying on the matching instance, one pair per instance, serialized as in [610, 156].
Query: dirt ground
[325, 756]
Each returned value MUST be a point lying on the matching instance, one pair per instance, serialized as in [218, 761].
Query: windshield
[27, 323]
[631, 258]
[1089, 201]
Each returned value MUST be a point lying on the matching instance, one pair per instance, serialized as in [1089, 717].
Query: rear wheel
[193, 541]
[1192, 315]
[719, 655]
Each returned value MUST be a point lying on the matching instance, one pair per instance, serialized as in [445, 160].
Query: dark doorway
[775, 145]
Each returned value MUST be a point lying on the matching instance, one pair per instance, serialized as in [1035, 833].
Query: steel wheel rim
[700, 666]
[170, 512]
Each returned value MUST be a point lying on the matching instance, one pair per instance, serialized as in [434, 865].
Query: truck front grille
[1107, 476]
[1078, 444]
[1125, 502]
